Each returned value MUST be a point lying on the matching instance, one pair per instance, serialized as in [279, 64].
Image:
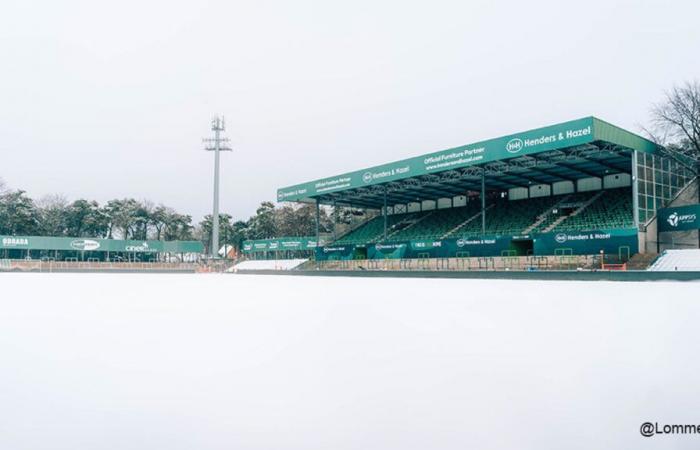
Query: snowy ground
[258, 362]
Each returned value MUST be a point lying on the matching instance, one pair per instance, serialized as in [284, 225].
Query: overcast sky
[111, 99]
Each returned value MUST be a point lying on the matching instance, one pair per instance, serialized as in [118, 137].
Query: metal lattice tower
[216, 144]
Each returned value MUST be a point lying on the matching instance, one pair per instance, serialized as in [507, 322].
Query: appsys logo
[673, 219]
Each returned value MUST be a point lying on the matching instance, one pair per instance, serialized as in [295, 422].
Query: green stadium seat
[611, 209]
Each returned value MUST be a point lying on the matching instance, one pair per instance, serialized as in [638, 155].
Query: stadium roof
[568, 151]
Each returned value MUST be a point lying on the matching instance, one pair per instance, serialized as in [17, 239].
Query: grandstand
[582, 187]
[585, 211]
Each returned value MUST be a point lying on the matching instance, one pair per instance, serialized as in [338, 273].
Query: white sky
[111, 99]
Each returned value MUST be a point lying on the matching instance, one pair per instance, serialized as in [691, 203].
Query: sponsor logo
[561, 238]
[673, 219]
[461, 243]
[85, 244]
[676, 219]
[367, 177]
[15, 242]
[139, 248]
[514, 145]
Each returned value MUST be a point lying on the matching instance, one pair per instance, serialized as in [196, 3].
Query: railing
[48, 265]
[478, 263]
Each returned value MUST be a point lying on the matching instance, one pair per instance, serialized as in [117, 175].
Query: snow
[121, 361]
[269, 264]
[687, 260]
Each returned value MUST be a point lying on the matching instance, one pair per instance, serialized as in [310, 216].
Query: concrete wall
[460, 200]
[562, 187]
[429, 205]
[676, 239]
[589, 184]
[540, 190]
[518, 193]
[413, 207]
[617, 180]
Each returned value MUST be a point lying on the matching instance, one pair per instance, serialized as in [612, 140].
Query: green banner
[567, 134]
[279, 244]
[395, 250]
[100, 245]
[619, 241]
[341, 252]
[682, 218]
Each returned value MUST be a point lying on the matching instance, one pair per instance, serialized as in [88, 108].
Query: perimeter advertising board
[618, 241]
[100, 245]
[279, 244]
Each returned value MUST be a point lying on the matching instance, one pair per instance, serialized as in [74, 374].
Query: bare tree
[53, 213]
[676, 123]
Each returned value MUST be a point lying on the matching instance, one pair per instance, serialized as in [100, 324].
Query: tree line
[270, 221]
[128, 218]
[54, 215]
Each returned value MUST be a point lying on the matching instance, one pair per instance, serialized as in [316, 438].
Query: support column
[483, 202]
[384, 213]
[635, 191]
[318, 222]
[335, 219]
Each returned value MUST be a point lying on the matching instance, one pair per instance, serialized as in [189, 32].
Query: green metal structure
[92, 248]
[283, 246]
[634, 180]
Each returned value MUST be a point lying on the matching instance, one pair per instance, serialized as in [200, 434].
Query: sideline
[629, 275]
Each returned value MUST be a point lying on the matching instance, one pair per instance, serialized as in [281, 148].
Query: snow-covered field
[260, 362]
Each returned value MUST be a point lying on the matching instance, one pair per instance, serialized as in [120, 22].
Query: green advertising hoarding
[279, 244]
[394, 250]
[100, 245]
[681, 218]
[618, 242]
[622, 242]
[567, 134]
[341, 252]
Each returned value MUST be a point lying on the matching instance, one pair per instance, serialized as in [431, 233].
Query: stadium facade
[576, 188]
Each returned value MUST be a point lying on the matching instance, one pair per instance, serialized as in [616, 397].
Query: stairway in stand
[576, 212]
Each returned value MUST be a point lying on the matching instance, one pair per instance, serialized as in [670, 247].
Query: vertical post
[483, 201]
[318, 222]
[635, 191]
[335, 219]
[384, 213]
[215, 216]
[217, 126]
